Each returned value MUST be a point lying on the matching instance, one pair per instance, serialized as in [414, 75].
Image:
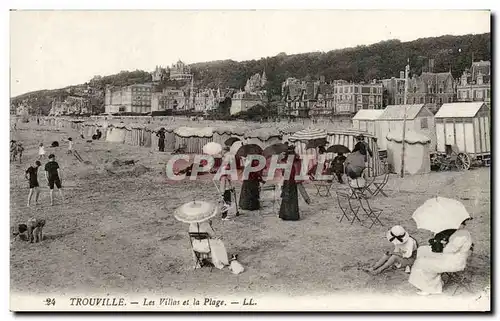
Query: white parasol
[439, 213]
[196, 212]
[212, 148]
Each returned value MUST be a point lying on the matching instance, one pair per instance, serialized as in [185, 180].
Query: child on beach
[20, 150]
[41, 151]
[404, 254]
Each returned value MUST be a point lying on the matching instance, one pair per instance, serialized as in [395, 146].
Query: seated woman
[213, 246]
[337, 166]
[355, 164]
[427, 269]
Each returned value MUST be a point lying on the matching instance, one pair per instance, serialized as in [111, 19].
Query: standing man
[52, 174]
[32, 177]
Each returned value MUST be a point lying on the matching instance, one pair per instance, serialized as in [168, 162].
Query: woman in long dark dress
[161, 139]
[250, 190]
[289, 209]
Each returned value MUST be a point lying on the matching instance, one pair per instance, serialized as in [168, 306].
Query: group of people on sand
[249, 199]
[53, 178]
[425, 263]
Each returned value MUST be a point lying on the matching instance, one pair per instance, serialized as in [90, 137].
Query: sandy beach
[116, 231]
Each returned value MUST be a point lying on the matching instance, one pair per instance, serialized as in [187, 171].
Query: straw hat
[397, 235]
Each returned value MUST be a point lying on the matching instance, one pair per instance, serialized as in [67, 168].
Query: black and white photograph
[250, 160]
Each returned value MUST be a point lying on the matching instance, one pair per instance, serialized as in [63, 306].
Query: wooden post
[407, 70]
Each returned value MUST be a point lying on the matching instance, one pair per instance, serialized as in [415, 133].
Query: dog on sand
[34, 229]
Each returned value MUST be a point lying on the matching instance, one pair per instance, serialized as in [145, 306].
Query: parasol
[230, 141]
[439, 213]
[315, 143]
[212, 148]
[250, 149]
[338, 149]
[275, 149]
[196, 212]
[308, 134]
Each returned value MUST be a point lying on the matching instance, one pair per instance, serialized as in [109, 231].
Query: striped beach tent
[308, 134]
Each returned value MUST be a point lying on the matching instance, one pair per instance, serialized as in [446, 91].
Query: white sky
[52, 49]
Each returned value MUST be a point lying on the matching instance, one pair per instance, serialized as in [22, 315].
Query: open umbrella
[230, 141]
[439, 213]
[338, 149]
[308, 134]
[212, 148]
[196, 212]
[250, 149]
[275, 149]
[315, 143]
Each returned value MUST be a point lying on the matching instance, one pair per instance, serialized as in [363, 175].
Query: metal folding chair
[372, 213]
[202, 259]
[323, 188]
[360, 190]
[270, 188]
[349, 210]
[380, 184]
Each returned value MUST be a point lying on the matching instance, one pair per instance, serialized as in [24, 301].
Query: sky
[54, 49]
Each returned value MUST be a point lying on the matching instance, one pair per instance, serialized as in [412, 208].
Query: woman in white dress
[427, 269]
[213, 246]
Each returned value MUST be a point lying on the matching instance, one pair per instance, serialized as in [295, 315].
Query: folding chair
[380, 184]
[322, 187]
[359, 190]
[372, 213]
[347, 207]
[273, 188]
[462, 279]
[202, 258]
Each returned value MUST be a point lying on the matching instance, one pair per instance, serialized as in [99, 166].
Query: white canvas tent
[418, 119]
[366, 120]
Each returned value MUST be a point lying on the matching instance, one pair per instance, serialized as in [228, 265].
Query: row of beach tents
[194, 138]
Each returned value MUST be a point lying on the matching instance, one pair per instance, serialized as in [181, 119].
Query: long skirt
[250, 195]
[289, 210]
[161, 145]
[426, 271]
[217, 251]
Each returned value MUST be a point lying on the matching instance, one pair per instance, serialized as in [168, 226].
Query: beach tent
[116, 133]
[263, 137]
[418, 119]
[466, 125]
[416, 156]
[366, 120]
[193, 138]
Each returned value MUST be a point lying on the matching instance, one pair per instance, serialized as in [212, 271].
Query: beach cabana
[416, 155]
[466, 125]
[116, 133]
[193, 138]
[366, 120]
[263, 137]
[418, 119]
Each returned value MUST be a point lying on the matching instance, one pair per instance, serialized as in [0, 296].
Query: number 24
[50, 301]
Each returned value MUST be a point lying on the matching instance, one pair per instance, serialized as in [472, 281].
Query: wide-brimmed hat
[360, 137]
[397, 235]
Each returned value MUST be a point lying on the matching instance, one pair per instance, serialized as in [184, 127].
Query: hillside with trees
[362, 63]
